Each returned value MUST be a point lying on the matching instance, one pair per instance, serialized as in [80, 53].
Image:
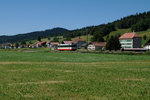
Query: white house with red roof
[96, 45]
[130, 40]
[67, 42]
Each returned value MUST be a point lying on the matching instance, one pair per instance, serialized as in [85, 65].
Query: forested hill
[33, 35]
[137, 22]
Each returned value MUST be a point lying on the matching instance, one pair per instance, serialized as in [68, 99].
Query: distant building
[31, 46]
[130, 40]
[48, 44]
[147, 45]
[54, 45]
[79, 42]
[67, 42]
[40, 44]
[96, 45]
[6, 45]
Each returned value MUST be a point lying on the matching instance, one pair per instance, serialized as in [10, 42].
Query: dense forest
[137, 22]
[33, 35]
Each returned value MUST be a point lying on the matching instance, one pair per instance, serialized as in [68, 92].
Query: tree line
[137, 22]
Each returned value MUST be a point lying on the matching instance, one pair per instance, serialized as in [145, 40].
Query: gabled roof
[40, 42]
[99, 44]
[54, 43]
[129, 36]
[67, 42]
[78, 40]
[31, 44]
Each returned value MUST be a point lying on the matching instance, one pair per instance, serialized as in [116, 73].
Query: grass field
[73, 76]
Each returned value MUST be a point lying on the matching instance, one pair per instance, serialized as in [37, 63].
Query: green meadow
[44, 75]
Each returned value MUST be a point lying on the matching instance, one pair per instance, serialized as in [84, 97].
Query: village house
[96, 46]
[40, 44]
[48, 44]
[130, 40]
[31, 46]
[79, 42]
[6, 45]
[147, 45]
[54, 45]
[67, 42]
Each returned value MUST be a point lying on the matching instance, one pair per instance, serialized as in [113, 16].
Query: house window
[128, 40]
[126, 43]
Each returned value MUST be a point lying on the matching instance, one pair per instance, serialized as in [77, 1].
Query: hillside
[33, 35]
[139, 23]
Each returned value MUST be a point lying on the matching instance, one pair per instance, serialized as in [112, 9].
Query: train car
[66, 47]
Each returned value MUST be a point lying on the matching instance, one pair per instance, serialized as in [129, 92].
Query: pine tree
[113, 43]
[56, 39]
[97, 38]
[39, 38]
[144, 37]
[17, 45]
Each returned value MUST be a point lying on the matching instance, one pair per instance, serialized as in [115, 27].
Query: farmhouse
[147, 45]
[40, 44]
[130, 40]
[96, 45]
[31, 46]
[54, 45]
[79, 42]
[6, 45]
[67, 42]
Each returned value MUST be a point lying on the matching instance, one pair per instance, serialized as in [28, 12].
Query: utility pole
[87, 37]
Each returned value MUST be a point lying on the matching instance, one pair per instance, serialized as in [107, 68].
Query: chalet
[48, 44]
[147, 45]
[79, 42]
[40, 44]
[67, 42]
[54, 45]
[96, 45]
[130, 40]
[6, 45]
[31, 46]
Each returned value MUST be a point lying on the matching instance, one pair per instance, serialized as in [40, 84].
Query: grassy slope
[73, 76]
[118, 32]
[84, 37]
[122, 31]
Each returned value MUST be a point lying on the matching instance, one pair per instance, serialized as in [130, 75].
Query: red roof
[67, 42]
[39, 42]
[54, 43]
[78, 39]
[99, 44]
[129, 36]
[31, 45]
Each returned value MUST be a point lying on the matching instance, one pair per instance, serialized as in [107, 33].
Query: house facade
[130, 40]
[6, 45]
[97, 46]
[40, 44]
[54, 45]
[31, 46]
[79, 42]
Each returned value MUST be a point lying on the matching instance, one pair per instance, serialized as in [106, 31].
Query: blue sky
[22, 16]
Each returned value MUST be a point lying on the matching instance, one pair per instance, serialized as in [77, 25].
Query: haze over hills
[139, 22]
